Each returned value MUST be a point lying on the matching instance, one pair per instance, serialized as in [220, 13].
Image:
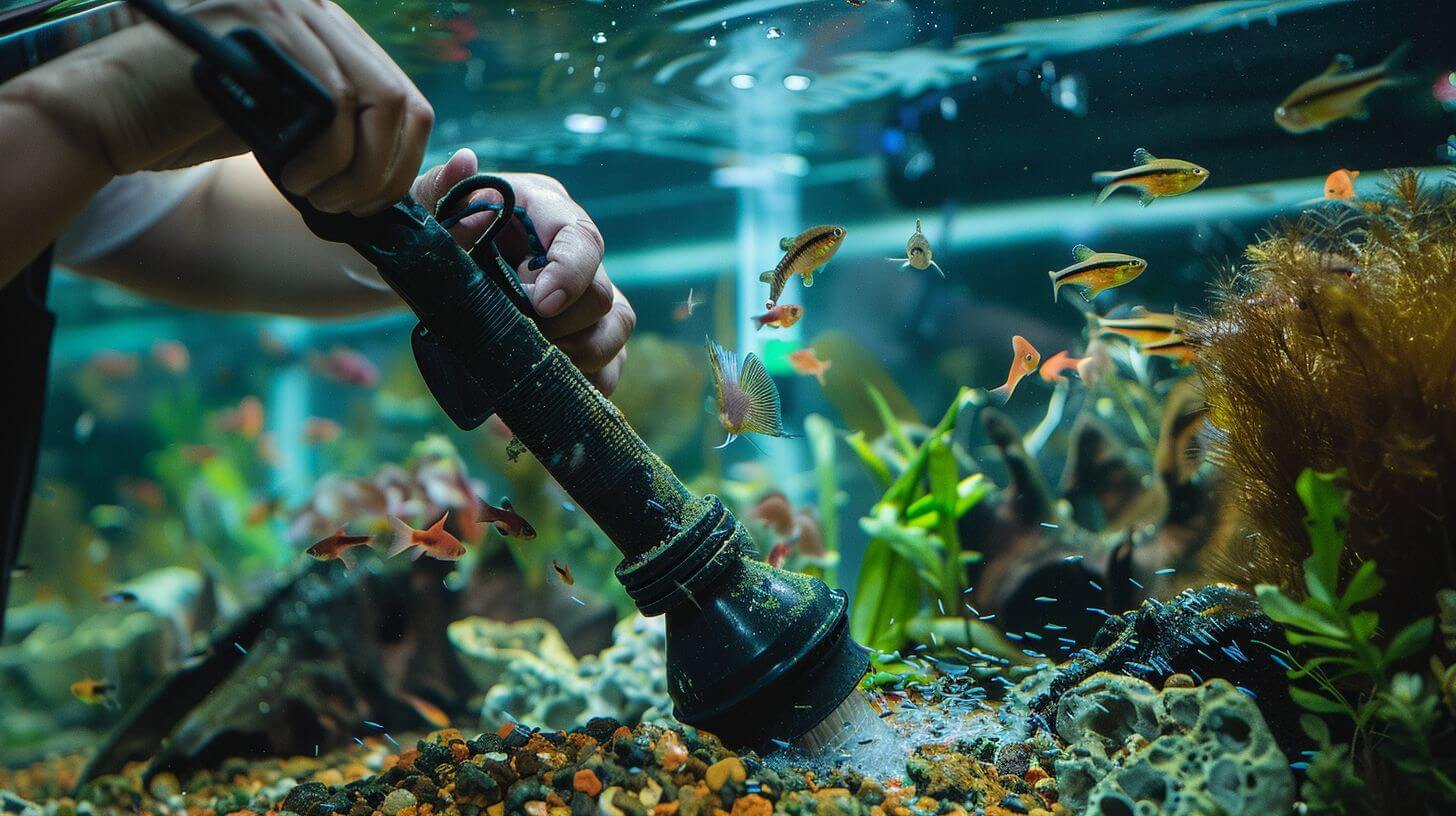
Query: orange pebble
[752, 805]
[505, 730]
[586, 781]
[664, 809]
[1035, 775]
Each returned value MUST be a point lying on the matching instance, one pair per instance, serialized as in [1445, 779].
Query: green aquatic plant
[915, 561]
[1345, 669]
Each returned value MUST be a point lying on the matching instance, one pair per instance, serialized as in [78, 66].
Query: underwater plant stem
[1140, 425]
[1039, 435]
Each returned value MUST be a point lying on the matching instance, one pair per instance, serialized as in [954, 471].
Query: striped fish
[1144, 327]
[1095, 272]
[1175, 348]
[748, 400]
[1152, 177]
[1336, 94]
[804, 254]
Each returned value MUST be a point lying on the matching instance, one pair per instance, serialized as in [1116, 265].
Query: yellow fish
[1175, 348]
[1096, 272]
[1336, 94]
[93, 692]
[804, 254]
[748, 400]
[1152, 176]
[1144, 327]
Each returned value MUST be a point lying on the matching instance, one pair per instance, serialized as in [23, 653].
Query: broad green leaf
[1317, 729]
[943, 487]
[1326, 521]
[1317, 666]
[1283, 609]
[1409, 640]
[1301, 639]
[1364, 585]
[892, 423]
[821, 434]
[885, 597]
[912, 543]
[872, 460]
[1364, 624]
[1317, 703]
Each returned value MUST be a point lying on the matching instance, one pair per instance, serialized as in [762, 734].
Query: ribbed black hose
[575, 432]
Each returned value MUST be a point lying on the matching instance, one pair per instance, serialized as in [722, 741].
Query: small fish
[778, 554]
[1174, 348]
[564, 570]
[321, 430]
[775, 512]
[506, 520]
[246, 419]
[782, 316]
[1057, 364]
[805, 361]
[113, 365]
[917, 253]
[93, 692]
[85, 425]
[171, 356]
[1096, 272]
[1143, 327]
[1336, 94]
[748, 400]
[198, 454]
[262, 510]
[682, 310]
[1152, 177]
[121, 596]
[434, 541]
[428, 711]
[1023, 363]
[345, 365]
[1340, 185]
[340, 546]
[804, 254]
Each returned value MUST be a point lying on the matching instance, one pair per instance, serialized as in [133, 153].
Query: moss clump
[1335, 348]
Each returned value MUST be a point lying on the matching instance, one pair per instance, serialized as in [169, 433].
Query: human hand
[130, 101]
[581, 311]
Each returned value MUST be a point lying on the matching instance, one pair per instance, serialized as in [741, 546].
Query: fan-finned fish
[804, 254]
[748, 400]
[1152, 177]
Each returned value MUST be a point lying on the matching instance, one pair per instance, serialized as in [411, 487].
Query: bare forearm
[46, 174]
[234, 244]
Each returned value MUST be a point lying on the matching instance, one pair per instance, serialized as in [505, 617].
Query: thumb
[433, 184]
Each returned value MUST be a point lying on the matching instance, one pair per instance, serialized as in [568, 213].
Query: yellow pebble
[720, 772]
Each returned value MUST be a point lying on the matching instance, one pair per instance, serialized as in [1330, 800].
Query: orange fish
[1095, 272]
[113, 365]
[774, 511]
[506, 520]
[778, 554]
[321, 430]
[428, 711]
[1340, 185]
[1024, 362]
[683, 310]
[341, 546]
[435, 541]
[144, 492]
[564, 570]
[197, 454]
[345, 365]
[1143, 327]
[172, 356]
[781, 316]
[748, 400]
[805, 361]
[246, 419]
[93, 692]
[262, 510]
[1057, 364]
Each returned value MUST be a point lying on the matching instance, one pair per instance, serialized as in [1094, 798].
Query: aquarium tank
[1030, 408]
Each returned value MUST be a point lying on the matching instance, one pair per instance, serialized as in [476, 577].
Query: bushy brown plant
[1334, 347]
